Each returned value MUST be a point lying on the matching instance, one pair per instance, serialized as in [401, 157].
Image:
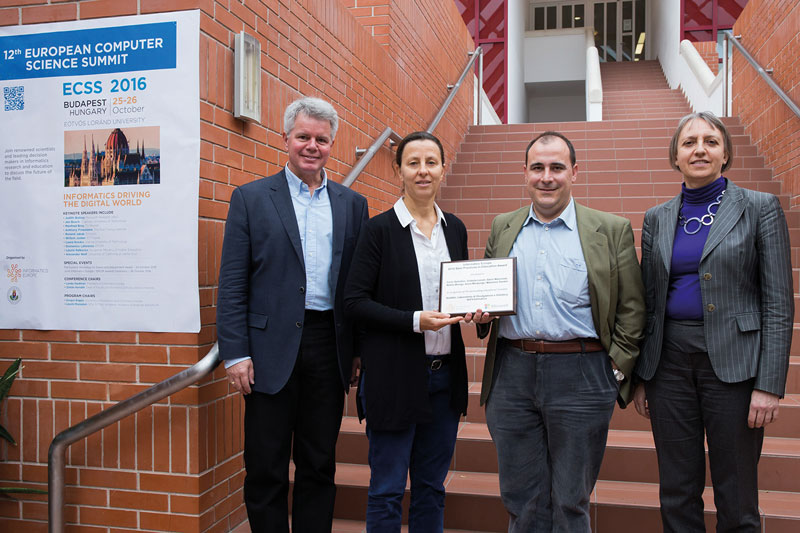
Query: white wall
[666, 34]
[555, 55]
[517, 112]
[666, 24]
[556, 101]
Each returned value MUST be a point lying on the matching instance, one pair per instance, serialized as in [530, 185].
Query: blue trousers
[548, 415]
[421, 452]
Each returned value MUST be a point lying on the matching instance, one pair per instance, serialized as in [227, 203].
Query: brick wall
[770, 31]
[374, 16]
[177, 466]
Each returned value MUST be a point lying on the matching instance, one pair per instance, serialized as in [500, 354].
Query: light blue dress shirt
[552, 284]
[315, 222]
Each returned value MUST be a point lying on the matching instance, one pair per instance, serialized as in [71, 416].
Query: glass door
[619, 30]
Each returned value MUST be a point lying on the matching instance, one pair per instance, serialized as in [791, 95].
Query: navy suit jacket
[261, 301]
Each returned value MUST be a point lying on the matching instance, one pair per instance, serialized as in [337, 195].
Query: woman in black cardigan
[413, 386]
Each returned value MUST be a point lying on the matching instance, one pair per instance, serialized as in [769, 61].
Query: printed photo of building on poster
[112, 161]
[99, 166]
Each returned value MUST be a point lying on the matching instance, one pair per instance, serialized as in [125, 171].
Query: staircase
[623, 169]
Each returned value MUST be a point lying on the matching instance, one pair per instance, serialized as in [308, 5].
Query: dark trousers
[687, 403]
[421, 452]
[302, 420]
[548, 415]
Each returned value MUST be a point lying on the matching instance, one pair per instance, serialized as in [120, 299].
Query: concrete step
[348, 526]
[473, 503]
[611, 128]
[787, 425]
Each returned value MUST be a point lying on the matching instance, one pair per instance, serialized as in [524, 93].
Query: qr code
[14, 98]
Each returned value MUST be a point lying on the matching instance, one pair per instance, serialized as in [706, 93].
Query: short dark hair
[547, 136]
[417, 136]
[712, 120]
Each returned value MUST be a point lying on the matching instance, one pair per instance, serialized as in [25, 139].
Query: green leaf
[4, 434]
[8, 378]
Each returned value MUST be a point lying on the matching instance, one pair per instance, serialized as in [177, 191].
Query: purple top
[684, 301]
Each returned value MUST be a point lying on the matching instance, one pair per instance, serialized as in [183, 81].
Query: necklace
[705, 220]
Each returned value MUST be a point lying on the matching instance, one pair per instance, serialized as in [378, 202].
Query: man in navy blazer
[286, 342]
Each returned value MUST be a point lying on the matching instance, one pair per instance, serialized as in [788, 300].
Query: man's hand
[478, 317]
[763, 409]
[640, 401]
[241, 376]
[434, 320]
[355, 371]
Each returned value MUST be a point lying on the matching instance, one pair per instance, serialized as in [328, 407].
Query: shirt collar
[567, 216]
[298, 186]
[404, 215]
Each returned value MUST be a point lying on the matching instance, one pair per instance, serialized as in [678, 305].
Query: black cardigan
[381, 295]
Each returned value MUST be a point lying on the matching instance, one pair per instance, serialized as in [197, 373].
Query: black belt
[436, 362]
[570, 346]
[311, 314]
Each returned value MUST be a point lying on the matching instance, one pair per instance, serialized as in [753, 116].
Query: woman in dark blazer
[718, 282]
[413, 385]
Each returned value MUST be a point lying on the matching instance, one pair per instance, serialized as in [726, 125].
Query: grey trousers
[689, 404]
[548, 415]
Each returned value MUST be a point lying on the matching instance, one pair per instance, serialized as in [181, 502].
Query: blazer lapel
[505, 241]
[667, 222]
[728, 213]
[339, 212]
[595, 252]
[279, 194]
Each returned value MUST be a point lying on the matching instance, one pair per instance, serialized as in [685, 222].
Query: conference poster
[99, 166]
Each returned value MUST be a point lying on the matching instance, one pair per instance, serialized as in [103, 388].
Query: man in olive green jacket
[554, 370]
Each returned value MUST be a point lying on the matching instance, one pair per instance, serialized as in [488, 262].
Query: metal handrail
[764, 73]
[389, 133]
[478, 52]
[57, 455]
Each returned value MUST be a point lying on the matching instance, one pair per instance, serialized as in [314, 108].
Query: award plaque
[486, 284]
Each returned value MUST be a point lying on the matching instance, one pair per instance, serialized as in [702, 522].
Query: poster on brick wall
[99, 174]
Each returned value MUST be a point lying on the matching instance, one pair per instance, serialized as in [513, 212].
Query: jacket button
[707, 276]
[711, 308]
[302, 290]
[298, 324]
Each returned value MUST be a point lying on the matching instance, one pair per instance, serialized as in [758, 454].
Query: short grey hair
[312, 107]
[712, 120]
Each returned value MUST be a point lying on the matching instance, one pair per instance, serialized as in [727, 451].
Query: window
[554, 16]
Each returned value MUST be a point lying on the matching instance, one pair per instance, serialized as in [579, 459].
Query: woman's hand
[434, 320]
[478, 317]
[640, 401]
[763, 409]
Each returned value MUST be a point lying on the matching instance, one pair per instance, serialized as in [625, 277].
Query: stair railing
[764, 73]
[366, 155]
[57, 455]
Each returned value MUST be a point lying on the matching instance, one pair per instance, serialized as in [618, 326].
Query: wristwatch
[618, 375]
